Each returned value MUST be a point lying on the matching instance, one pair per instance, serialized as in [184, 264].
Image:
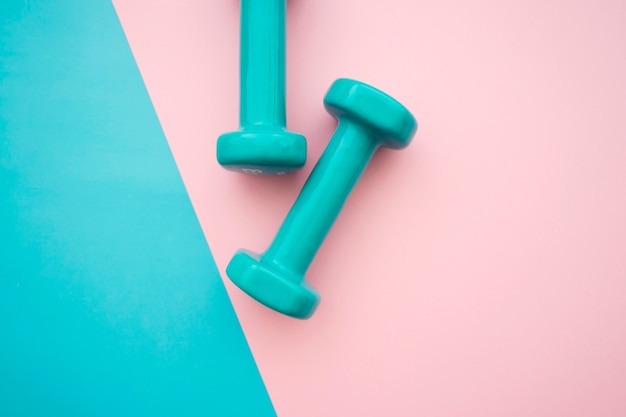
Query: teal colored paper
[110, 302]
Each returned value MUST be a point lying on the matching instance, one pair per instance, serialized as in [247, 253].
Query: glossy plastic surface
[368, 119]
[262, 145]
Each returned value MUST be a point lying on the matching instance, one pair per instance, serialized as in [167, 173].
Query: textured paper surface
[110, 302]
[480, 272]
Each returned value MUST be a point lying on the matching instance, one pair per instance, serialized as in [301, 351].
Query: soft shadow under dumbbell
[368, 119]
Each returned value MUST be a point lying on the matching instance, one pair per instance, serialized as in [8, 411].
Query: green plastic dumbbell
[368, 119]
[262, 145]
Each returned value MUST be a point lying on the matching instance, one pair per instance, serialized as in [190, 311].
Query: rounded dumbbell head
[261, 151]
[370, 107]
[275, 288]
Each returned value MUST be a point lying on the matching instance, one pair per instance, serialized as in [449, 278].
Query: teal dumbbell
[262, 145]
[368, 119]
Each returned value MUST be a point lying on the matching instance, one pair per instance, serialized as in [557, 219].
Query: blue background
[110, 302]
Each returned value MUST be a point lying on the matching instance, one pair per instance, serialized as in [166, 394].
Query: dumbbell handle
[322, 197]
[262, 67]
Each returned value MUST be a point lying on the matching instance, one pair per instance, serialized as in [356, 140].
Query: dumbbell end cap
[391, 121]
[272, 287]
[261, 151]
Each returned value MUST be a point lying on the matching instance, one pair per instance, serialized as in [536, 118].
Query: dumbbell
[262, 145]
[367, 119]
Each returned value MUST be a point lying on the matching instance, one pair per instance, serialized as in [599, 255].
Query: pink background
[480, 272]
